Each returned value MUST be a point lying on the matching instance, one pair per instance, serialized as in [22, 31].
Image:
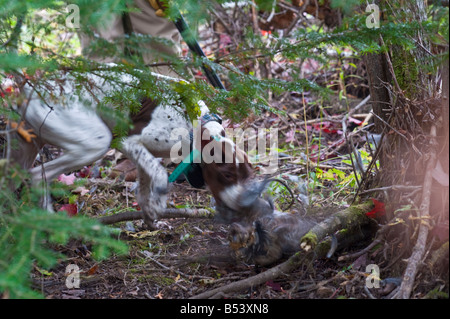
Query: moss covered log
[347, 219]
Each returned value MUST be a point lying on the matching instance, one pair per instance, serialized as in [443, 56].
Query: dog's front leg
[152, 177]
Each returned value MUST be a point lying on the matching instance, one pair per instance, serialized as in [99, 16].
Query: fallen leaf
[378, 211]
[70, 209]
[360, 262]
[273, 285]
[141, 234]
[26, 134]
[80, 190]
[67, 179]
[290, 136]
[89, 172]
[327, 127]
[44, 272]
[92, 270]
[206, 281]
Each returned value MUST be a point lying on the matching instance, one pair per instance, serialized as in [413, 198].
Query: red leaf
[273, 285]
[378, 211]
[70, 209]
[85, 172]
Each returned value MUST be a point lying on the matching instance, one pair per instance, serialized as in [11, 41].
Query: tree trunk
[378, 76]
[401, 81]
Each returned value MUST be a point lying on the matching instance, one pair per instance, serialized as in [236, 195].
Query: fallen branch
[424, 214]
[169, 213]
[312, 247]
[284, 268]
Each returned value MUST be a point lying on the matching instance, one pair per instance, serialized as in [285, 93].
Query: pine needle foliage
[28, 232]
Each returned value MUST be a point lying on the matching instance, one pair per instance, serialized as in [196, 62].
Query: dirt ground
[183, 258]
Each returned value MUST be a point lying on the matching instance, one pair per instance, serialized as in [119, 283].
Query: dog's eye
[228, 175]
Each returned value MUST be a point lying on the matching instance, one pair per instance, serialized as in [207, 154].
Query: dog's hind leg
[152, 177]
[82, 135]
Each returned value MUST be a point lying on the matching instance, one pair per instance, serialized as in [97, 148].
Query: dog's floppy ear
[253, 192]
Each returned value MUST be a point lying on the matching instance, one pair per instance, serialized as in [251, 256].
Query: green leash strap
[184, 166]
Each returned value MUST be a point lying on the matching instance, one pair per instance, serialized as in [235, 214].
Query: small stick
[361, 252]
[403, 188]
[169, 213]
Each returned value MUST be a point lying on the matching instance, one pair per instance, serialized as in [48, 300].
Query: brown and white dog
[70, 121]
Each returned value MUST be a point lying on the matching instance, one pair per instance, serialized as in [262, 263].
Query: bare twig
[360, 105]
[361, 252]
[393, 187]
[392, 128]
[391, 68]
[424, 214]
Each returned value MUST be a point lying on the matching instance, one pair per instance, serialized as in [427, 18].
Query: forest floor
[184, 257]
[187, 256]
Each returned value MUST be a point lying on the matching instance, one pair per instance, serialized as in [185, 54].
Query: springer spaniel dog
[58, 114]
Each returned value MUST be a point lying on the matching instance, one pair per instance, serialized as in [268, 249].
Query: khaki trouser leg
[145, 22]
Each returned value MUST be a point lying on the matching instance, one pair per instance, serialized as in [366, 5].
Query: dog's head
[228, 172]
